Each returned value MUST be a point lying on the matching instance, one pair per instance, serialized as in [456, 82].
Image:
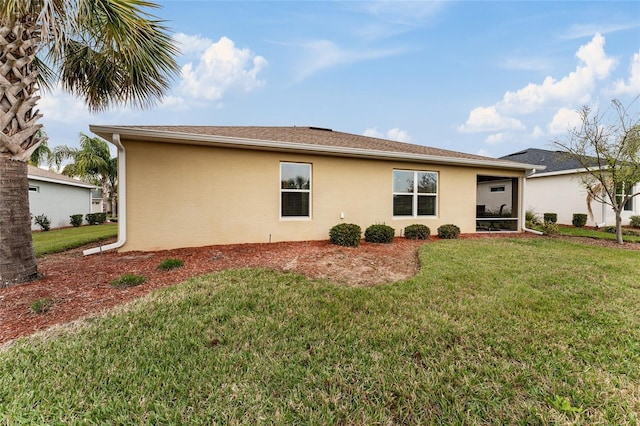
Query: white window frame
[623, 192]
[415, 194]
[308, 217]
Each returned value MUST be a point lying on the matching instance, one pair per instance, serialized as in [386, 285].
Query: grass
[595, 233]
[128, 280]
[59, 240]
[170, 263]
[508, 331]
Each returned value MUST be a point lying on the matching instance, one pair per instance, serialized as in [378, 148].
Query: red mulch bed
[79, 285]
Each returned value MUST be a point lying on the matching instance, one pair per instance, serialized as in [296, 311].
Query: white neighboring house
[558, 189]
[57, 196]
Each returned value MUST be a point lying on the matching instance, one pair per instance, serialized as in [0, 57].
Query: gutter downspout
[524, 208]
[122, 201]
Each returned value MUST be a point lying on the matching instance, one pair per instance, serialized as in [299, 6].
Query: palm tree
[42, 153]
[109, 52]
[91, 162]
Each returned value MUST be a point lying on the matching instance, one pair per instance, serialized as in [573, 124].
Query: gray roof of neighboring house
[554, 161]
[37, 173]
[314, 139]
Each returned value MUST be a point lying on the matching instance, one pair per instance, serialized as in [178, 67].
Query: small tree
[609, 153]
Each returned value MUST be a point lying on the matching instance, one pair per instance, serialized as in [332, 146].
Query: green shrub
[76, 220]
[448, 231]
[128, 280]
[169, 264]
[41, 306]
[550, 217]
[550, 228]
[101, 218]
[379, 234]
[417, 232]
[634, 221]
[345, 234]
[91, 218]
[43, 222]
[531, 217]
[579, 220]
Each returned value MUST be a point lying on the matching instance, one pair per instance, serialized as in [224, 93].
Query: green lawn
[495, 331]
[58, 240]
[597, 234]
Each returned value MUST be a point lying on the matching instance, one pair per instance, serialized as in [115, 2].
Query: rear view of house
[185, 186]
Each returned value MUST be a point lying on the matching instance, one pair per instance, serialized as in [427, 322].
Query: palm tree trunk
[17, 259]
[18, 140]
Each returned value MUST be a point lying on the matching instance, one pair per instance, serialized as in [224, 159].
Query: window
[497, 189]
[34, 188]
[295, 190]
[414, 193]
[620, 193]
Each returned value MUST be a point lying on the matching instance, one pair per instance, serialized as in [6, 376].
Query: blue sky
[481, 77]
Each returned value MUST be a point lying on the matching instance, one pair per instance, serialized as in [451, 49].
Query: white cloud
[394, 134]
[189, 44]
[488, 119]
[582, 30]
[319, 55]
[564, 120]
[61, 107]
[538, 132]
[484, 153]
[575, 87]
[632, 85]
[222, 68]
[497, 138]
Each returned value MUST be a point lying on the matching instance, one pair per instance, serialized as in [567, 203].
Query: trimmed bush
[345, 234]
[550, 228]
[169, 264]
[76, 220]
[128, 280]
[634, 221]
[43, 222]
[448, 231]
[550, 217]
[379, 234]
[417, 232]
[579, 220]
[96, 218]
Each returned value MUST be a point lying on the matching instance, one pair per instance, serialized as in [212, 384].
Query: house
[558, 189]
[57, 196]
[186, 186]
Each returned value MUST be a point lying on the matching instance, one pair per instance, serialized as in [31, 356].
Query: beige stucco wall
[186, 196]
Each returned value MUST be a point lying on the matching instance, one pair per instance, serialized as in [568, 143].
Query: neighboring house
[57, 196]
[223, 185]
[97, 205]
[558, 189]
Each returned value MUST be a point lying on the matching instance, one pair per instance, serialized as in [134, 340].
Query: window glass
[403, 181]
[427, 182]
[295, 176]
[295, 190]
[426, 205]
[410, 189]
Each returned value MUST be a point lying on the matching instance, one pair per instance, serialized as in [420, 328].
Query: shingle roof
[554, 161]
[309, 136]
[37, 173]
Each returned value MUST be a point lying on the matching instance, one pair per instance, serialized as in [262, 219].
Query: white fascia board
[61, 182]
[559, 173]
[259, 144]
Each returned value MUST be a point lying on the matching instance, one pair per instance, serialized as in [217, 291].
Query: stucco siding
[57, 202]
[565, 195]
[186, 196]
